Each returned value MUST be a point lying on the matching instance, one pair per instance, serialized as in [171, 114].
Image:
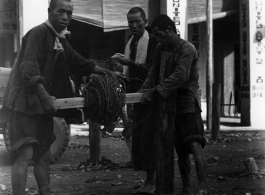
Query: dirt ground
[73, 175]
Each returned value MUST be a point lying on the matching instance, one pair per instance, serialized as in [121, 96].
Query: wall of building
[226, 54]
[197, 8]
[9, 53]
[8, 30]
[252, 24]
[32, 13]
[226, 60]
[197, 35]
[92, 42]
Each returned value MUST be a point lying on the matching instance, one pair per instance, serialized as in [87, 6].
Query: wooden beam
[215, 16]
[4, 72]
[79, 102]
[20, 24]
[209, 71]
[133, 97]
[95, 142]
[66, 103]
[216, 111]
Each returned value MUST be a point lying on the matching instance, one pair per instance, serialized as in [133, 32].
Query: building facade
[99, 29]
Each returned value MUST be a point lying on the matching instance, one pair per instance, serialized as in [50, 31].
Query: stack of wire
[104, 99]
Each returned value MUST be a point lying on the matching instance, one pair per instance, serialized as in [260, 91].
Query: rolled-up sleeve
[30, 65]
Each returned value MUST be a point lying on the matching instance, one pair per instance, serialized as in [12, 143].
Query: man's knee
[45, 158]
[183, 154]
[127, 131]
[195, 145]
[25, 153]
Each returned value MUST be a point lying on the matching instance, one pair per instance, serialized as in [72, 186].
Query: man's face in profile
[61, 15]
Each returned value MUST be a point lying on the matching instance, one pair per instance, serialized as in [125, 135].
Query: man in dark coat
[39, 76]
[170, 94]
[137, 60]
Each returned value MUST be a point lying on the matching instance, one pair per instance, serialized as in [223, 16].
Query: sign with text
[177, 11]
[252, 61]
[8, 15]
[244, 61]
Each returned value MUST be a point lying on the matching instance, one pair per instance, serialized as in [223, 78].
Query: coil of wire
[104, 99]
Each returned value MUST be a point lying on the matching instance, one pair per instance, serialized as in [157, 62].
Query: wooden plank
[133, 97]
[65, 103]
[79, 102]
[3, 81]
[4, 72]
[215, 16]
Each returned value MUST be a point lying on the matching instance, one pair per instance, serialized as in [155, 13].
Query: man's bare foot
[137, 191]
[147, 189]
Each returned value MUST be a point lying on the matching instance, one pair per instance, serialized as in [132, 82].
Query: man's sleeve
[77, 64]
[150, 79]
[33, 48]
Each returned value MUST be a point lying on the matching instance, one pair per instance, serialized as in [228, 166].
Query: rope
[104, 99]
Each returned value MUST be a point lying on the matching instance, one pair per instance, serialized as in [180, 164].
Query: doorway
[227, 72]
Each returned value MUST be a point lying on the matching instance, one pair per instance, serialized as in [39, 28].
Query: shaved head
[53, 3]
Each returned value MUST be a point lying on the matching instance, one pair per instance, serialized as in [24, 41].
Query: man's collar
[175, 41]
[61, 34]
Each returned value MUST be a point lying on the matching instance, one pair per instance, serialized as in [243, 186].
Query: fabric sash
[141, 52]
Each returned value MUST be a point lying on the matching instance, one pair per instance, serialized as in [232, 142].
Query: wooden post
[164, 142]
[216, 111]
[95, 142]
[209, 72]
[20, 32]
[165, 151]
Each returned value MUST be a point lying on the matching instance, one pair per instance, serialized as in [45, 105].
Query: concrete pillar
[252, 61]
